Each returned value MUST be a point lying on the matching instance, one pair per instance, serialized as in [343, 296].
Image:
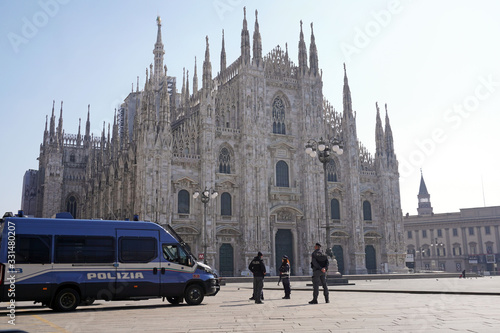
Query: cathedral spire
[52, 121]
[389, 142]
[347, 97]
[302, 53]
[195, 79]
[60, 125]
[207, 70]
[187, 95]
[257, 42]
[245, 40]
[79, 136]
[87, 126]
[158, 53]
[223, 55]
[379, 134]
[424, 198]
[183, 89]
[313, 55]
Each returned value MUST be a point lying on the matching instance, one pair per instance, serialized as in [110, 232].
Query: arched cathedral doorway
[371, 261]
[284, 246]
[226, 260]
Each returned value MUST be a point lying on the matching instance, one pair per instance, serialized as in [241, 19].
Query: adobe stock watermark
[453, 116]
[32, 25]
[224, 6]
[363, 36]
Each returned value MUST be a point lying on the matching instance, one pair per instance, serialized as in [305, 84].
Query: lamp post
[436, 245]
[206, 195]
[325, 151]
[421, 251]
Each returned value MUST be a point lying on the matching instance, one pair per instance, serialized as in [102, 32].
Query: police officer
[258, 269]
[285, 276]
[319, 265]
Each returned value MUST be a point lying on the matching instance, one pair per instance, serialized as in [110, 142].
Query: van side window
[33, 249]
[84, 249]
[137, 249]
[175, 253]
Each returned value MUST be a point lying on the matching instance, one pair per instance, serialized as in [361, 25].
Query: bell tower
[424, 199]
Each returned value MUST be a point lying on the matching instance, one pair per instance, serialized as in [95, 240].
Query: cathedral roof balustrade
[229, 73]
[186, 156]
[225, 130]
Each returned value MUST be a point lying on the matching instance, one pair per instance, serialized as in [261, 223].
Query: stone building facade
[242, 134]
[452, 242]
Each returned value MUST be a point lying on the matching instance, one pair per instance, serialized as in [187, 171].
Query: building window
[424, 233]
[487, 230]
[471, 231]
[473, 249]
[441, 252]
[331, 171]
[410, 235]
[282, 174]
[72, 158]
[335, 209]
[71, 206]
[224, 161]
[278, 116]
[183, 202]
[367, 211]
[440, 233]
[225, 204]
[489, 249]
[457, 250]
[455, 232]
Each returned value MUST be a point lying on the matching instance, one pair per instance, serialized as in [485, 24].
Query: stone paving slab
[231, 311]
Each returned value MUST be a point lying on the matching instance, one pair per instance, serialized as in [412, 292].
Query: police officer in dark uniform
[285, 276]
[319, 265]
[258, 269]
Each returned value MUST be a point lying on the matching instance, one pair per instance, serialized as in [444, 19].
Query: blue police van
[63, 263]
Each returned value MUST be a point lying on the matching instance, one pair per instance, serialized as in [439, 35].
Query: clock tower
[424, 199]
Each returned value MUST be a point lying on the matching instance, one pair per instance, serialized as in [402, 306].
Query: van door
[138, 264]
[177, 270]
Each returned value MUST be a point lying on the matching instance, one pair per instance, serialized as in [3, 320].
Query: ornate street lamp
[325, 149]
[206, 195]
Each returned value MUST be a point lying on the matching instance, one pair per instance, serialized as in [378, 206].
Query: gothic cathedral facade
[243, 134]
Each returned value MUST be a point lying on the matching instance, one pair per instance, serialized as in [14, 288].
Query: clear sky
[435, 63]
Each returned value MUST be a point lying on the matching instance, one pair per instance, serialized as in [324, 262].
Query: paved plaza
[368, 306]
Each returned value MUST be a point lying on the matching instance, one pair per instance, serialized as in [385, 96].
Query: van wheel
[174, 300]
[194, 294]
[66, 300]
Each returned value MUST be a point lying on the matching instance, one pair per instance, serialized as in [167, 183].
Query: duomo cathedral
[241, 134]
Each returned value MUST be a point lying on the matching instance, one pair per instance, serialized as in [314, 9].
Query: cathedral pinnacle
[257, 42]
[379, 134]
[195, 79]
[245, 40]
[389, 142]
[347, 96]
[222, 55]
[313, 54]
[158, 52]
[302, 53]
[207, 70]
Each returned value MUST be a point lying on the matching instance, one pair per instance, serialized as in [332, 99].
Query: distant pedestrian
[319, 265]
[258, 269]
[463, 273]
[285, 276]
